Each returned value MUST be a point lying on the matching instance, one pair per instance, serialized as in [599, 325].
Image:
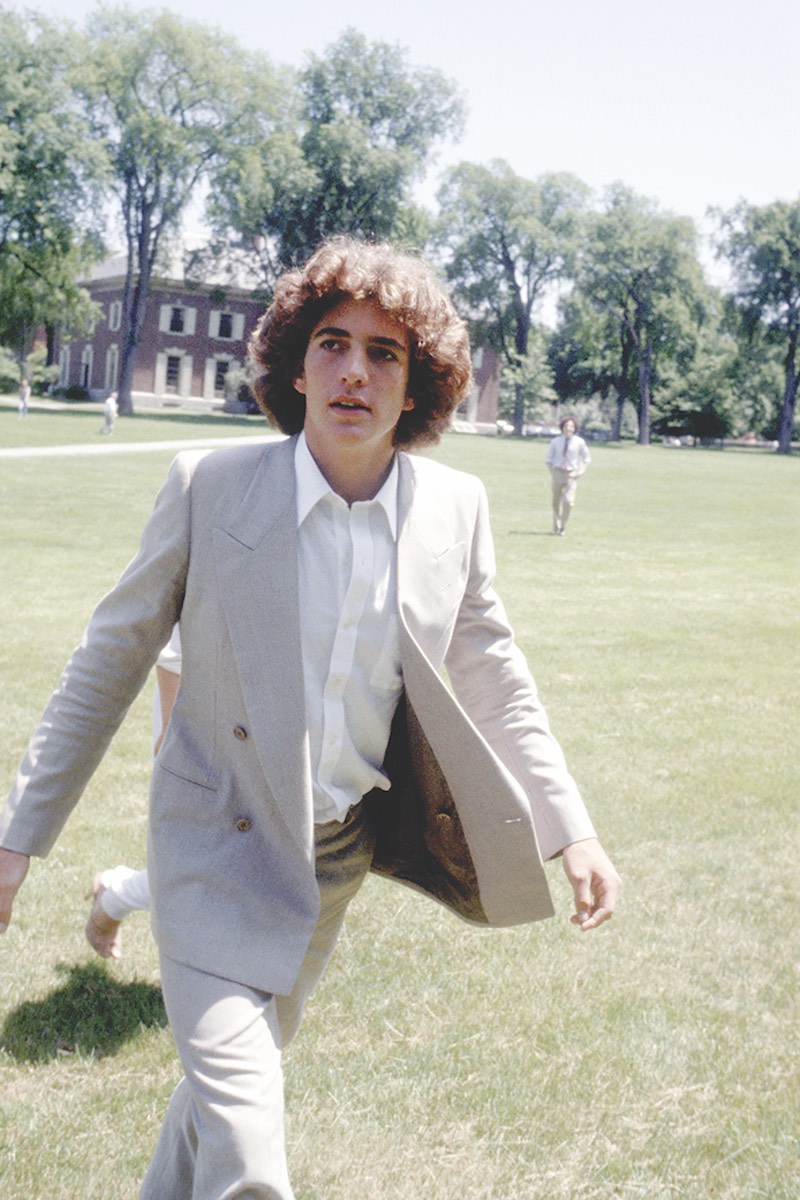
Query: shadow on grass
[91, 1014]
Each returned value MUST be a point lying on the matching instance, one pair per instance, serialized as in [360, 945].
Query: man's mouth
[349, 404]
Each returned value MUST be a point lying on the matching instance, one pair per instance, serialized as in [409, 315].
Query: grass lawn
[655, 1058]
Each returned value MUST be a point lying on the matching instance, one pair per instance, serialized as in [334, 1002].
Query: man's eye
[383, 354]
[331, 344]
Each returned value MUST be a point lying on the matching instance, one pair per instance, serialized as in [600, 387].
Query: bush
[9, 371]
[73, 392]
[34, 369]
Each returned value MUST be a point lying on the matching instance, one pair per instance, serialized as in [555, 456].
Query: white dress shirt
[568, 453]
[349, 628]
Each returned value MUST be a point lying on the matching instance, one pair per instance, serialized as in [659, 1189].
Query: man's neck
[352, 476]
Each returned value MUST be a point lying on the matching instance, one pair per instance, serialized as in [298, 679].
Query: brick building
[480, 407]
[193, 335]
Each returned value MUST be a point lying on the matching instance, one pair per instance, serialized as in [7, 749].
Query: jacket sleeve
[104, 675]
[494, 686]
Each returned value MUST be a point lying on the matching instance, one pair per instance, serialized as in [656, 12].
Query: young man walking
[320, 584]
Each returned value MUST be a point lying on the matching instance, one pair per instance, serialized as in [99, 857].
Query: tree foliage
[531, 378]
[762, 245]
[49, 174]
[367, 123]
[167, 99]
[507, 241]
[638, 274]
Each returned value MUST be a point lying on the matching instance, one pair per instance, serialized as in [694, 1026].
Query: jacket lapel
[476, 817]
[430, 563]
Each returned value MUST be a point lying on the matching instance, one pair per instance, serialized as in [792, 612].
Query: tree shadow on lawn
[91, 1014]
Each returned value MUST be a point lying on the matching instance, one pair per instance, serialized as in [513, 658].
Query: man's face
[355, 381]
[569, 428]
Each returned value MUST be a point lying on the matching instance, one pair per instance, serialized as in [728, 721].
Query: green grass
[655, 1058]
[66, 424]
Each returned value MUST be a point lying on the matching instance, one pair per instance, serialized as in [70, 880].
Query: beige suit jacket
[480, 789]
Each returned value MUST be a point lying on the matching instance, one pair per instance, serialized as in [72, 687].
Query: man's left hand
[594, 880]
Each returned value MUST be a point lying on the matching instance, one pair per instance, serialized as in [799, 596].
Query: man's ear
[300, 384]
[409, 404]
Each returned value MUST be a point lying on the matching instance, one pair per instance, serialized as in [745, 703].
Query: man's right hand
[13, 869]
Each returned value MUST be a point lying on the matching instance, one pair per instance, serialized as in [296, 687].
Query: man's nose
[355, 367]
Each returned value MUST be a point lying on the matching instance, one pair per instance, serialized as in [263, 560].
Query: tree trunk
[622, 385]
[141, 256]
[789, 397]
[645, 369]
[522, 328]
[519, 408]
[130, 344]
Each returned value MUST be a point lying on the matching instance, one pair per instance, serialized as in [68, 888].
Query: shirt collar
[312, 486]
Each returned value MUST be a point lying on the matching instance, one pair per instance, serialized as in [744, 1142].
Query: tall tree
[507, 241]
[639, 270]
[367, 125]
[49, 171]
[167, 99]
[762, 245]
[530, 377]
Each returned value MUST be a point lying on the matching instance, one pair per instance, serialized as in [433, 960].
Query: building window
[87, 360]
[220, 371]
[114, 315]
[112, 366]
[227, 326]
[177, 318]
[173, 372]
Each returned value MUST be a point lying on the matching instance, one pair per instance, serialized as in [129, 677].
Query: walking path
[110, 447]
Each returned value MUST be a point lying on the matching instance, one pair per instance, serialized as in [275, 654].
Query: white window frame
[210, 372]
[184, 372]
[87, 366]
[189, 320]
[114, 315]
[237, 324]
[112, 367]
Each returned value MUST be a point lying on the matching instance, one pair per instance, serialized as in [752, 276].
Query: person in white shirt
[119, 891]
[110, 410]
[322, 583]
[24, 398]
[567, 457]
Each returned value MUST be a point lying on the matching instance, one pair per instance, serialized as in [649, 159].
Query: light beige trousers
[565, 485]
[223, 1135]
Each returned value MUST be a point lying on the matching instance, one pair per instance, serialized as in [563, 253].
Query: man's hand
[13, 869]
[594, 880]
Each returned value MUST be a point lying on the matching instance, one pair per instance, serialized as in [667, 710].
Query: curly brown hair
[406, 289]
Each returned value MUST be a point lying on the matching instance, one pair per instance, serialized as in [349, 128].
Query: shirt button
[244, 825]
[240, 732]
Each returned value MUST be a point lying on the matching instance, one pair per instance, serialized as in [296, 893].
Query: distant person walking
[567, 457]
[24, 397]
[110, 413]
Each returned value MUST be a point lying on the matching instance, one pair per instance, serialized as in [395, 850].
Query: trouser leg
[568, 498]
[223, 1134]
[565, 486]
[343, 857]
[559, 478]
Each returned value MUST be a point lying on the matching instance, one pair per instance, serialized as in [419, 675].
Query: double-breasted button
[240, 732]
[244, 825]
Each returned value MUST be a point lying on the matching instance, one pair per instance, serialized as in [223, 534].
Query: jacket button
[244, 825]
[240, 732]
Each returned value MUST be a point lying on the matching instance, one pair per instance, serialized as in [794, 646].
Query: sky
[692, 103]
